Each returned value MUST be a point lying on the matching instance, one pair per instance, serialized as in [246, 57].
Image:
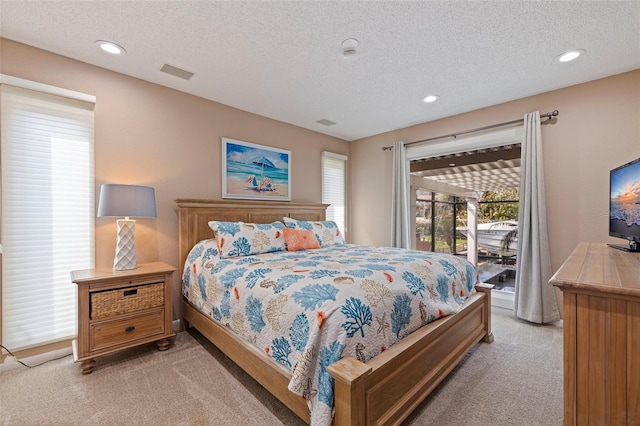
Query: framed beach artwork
[255, 172]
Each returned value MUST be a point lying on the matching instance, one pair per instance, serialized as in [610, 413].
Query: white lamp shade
[127, 201]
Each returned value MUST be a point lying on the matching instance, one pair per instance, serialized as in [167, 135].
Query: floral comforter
[308, 309]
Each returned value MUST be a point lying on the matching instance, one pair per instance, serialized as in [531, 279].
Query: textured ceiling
[283, 59]
[496, 176]
[496, 169]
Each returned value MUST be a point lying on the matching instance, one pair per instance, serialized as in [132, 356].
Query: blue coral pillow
[326, 231]
[246, 239]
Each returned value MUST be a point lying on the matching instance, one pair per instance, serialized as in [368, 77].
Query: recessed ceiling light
[430, 98]
[110, 47]
[571, 55]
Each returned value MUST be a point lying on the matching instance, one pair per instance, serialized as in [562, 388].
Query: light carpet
[516, 380]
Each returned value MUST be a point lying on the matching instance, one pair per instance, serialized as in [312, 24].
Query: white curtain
[535, 299]
[400, 216]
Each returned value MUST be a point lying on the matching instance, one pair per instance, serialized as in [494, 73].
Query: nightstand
[122, 309]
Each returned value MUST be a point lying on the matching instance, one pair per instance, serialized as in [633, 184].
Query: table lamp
[127, 201]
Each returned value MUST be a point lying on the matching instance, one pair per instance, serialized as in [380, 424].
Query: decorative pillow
[300, 239]
[245, 239]
[327, 231]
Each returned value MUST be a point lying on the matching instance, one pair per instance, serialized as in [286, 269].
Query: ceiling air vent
[176, 72]
[325, 122]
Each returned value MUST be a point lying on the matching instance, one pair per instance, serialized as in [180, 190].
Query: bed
[382, 390]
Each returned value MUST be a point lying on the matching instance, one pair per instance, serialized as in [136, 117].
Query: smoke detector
[349, 47]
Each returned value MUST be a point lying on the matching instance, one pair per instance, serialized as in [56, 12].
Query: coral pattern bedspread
[307, 309]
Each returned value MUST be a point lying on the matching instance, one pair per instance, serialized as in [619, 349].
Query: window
[437, 221]
[47, 211]
[441, 223]
[334, 178]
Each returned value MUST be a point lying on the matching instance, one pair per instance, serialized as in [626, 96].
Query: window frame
[328, 157]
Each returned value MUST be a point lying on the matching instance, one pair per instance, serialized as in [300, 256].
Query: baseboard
[10, 362]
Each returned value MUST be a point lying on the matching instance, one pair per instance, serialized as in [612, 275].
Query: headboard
[194, 215]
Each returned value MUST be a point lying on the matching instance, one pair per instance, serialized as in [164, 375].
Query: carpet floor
[516, 380]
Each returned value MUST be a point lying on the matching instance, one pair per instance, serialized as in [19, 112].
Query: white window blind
[47, 211]
[334, 178]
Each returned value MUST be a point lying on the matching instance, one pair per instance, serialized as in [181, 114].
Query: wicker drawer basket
[107, 304]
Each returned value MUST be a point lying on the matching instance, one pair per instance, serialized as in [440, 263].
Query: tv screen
[624, 204]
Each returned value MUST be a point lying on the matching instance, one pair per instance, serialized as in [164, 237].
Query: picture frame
[255, 172]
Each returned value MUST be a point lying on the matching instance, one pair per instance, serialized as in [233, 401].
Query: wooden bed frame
[386, 389]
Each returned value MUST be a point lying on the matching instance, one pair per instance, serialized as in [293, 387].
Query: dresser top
[597, 267]
[84, 275]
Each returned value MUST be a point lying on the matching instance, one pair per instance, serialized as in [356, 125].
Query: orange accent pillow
[300, 239]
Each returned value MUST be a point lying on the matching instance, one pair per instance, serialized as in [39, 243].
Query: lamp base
[125, 246]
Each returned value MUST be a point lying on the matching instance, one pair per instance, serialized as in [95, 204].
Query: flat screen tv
[624, 205]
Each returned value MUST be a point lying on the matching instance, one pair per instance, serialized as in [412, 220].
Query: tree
[492, 205]
[495, 206]
[509, 238]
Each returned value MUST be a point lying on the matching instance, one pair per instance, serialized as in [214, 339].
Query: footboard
[390, 386]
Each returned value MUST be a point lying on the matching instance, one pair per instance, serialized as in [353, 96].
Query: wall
[147, 134]
[598, 129]
[151, 135]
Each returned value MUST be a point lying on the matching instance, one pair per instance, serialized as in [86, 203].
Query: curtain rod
[548, 115]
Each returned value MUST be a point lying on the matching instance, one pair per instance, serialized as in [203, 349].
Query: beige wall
[151, 135]
[598, 129]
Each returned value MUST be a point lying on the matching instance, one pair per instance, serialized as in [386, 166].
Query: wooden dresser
[601, 292]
